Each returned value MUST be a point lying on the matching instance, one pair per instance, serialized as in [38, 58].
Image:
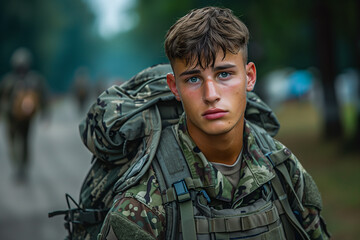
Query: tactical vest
[187, 203]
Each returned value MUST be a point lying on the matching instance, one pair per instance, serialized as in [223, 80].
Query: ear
[250, 76]
[170, 79]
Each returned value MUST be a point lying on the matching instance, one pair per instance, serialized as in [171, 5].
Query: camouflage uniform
[138, 213]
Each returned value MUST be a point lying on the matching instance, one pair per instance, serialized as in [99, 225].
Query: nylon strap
[187, 220]
[279, 157]
[174, 169]
[289, 213]
[267, 146]
[171, 159]
[286, 175]
[234, 224]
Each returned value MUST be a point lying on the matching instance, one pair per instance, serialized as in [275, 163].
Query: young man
[207, 50]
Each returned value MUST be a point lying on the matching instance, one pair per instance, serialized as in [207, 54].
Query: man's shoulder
[141, 206]
[147, 192]
[293, 160]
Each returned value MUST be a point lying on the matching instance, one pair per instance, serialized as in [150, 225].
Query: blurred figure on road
[22, 94]
[81, 89]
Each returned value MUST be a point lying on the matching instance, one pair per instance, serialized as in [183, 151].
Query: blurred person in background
[81, 89]
[23, 94]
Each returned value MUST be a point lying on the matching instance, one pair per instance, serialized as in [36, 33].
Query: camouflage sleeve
[309, 195]
[136, 214]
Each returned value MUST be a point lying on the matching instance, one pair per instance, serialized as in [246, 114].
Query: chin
[218, 130]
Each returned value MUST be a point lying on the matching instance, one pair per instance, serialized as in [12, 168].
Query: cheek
[188, 101]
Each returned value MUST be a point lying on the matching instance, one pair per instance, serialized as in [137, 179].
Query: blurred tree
[59, 33]
[129, 52]
[356, 137]
[77, 44]
[326, 57]
[155, 18]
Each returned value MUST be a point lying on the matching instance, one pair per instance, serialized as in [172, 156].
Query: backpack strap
[277, 158]
[174, 177]
[291, 218]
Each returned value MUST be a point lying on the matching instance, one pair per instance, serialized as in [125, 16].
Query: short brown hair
[199, 35]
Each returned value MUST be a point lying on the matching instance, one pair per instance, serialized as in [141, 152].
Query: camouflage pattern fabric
[141, 205]
[122, 130]
[118, 130]
[124, 114]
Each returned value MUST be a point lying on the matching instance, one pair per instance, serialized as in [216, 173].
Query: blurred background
[307, 55]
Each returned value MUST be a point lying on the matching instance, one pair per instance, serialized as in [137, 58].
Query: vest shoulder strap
[277, 158]
[172, 173]
[170, 158]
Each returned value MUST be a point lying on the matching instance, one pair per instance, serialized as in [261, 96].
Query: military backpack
[125, 131]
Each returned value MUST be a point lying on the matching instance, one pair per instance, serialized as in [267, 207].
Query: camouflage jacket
[138, 213]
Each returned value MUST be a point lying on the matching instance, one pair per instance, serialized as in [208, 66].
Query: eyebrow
[222, 67]
[197, 71]
[190, 72]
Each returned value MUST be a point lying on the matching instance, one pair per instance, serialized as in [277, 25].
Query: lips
[213, 114]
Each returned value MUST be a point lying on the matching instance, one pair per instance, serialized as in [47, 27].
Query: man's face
[214, 98]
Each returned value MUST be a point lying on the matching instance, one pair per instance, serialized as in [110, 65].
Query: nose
[211, 92]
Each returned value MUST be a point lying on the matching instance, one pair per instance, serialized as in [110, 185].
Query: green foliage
[156, 17]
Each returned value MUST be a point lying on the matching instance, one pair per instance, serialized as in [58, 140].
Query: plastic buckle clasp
[206, 196]
[181, 190]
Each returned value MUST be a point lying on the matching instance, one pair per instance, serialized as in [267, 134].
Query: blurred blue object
[300, 82]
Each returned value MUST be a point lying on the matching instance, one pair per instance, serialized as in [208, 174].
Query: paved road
[59, 164]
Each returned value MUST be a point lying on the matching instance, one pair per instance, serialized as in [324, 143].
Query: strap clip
[206, 196]
[182, 191]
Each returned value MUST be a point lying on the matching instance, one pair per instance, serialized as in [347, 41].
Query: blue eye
[193, 79]
[224, 75]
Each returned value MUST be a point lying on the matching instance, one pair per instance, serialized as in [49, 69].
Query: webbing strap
[234, 224]
[187, 220]
[289, 213]
[279, 207]
[176, 175]
[171, 159]
[285, 173]
[279, 157]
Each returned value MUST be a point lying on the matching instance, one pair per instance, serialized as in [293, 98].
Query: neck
[223, 148]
